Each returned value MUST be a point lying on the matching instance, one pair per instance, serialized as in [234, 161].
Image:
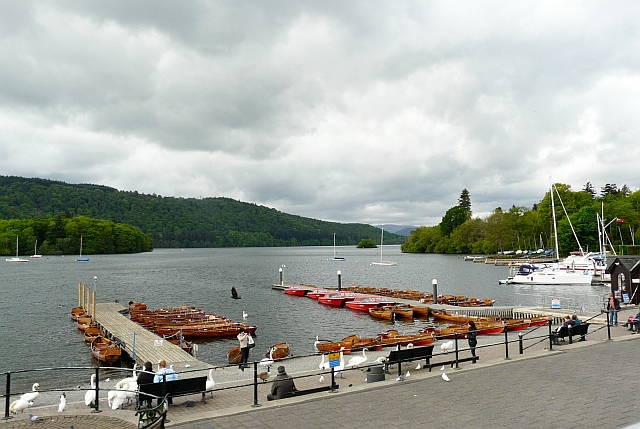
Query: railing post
[456, 340]
[608, 325]
[570, 328]
[96, 409]
[7, 397]
[520, 343]
[255, 384]
[333, 379]
[506, 342]
[550, 337]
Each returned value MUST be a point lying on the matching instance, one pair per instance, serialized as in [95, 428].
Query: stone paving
[585, 384]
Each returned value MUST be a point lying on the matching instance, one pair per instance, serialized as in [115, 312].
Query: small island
[366, 243]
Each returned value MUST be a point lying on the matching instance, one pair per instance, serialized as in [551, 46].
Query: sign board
[625, 297]
[555, 302]
[334, 359]
[157, 343]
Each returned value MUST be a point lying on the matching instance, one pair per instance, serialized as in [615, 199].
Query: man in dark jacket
[145, 377]
[281, 386]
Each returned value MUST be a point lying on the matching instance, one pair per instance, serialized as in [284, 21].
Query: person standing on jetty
[472, 337]
[613, 305]
[243, 338]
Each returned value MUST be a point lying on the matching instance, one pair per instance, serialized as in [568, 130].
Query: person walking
[613, 305]
[243, 338]
[472, 338]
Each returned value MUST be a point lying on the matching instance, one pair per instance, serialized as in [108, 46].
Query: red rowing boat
[364, 303]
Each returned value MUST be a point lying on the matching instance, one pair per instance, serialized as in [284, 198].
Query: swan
[210, 383]
[33, 395]
[321, 379]
[418, 366]
[117, 398]
[130, 384]
[445, 377]
[63, 402]
[447, 347]
[408, 374]
[90, 395]
[19, 405]
[268, 361]
[323, 364]
[357, 360]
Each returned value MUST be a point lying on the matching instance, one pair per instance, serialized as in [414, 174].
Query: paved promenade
[582, 385]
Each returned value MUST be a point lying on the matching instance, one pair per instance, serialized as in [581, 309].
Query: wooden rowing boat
[84, 323]
[91, 333]
[234, 355]
[420, 311]
[393, 338]
[204, 331]
[185, 345]
[458, 318]
[384, 313]
[105, 350]
[364, 303]
[280, 351]
[77, 312]
[540, 320]
[516, 324]
[402, 311]
[326, 346]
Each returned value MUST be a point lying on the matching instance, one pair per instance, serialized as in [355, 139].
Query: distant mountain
[402, 230]
[178, 222]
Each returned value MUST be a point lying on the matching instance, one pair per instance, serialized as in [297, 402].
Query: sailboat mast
[381, 245]
[555, 229]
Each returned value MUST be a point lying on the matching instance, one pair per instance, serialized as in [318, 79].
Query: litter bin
[376, 373]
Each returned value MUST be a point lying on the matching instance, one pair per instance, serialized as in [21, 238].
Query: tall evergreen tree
[465, 200]
[589, 189]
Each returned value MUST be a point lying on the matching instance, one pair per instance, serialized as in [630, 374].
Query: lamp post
[339, 280]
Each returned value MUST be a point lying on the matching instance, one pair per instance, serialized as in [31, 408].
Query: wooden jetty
[111, 318]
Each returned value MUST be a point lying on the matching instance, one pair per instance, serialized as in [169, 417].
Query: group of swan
[26, 400]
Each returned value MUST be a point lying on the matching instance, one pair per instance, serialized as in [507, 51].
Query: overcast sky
[369, 111]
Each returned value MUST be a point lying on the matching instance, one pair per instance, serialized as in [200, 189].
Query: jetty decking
[147, 346]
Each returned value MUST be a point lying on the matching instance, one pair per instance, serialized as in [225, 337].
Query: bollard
[333, 379]
[506, 343]
[608, 325]
[96, 409]
[434, 283]
[520, 343]
[339, 281]
[255, 384]
[456, 339]
[7, 398]
[570, 328]
[550, 337]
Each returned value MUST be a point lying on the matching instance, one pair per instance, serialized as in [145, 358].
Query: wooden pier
[147, 346]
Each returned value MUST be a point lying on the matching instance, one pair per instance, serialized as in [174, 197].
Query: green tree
[453, 218]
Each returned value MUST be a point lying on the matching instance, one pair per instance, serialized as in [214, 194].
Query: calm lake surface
[36, 330]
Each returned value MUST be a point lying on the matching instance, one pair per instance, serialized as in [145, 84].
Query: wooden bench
[302, 392]
[570, 332]
[408, 355]
[181, 387]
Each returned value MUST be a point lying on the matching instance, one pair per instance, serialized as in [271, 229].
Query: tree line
[178, 222]
[529, 229]
[61, 235]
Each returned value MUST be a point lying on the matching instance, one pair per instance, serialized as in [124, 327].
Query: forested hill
[178, 222]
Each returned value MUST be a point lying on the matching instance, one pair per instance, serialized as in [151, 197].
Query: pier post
[133, 347]
[434, 282]
[79, 294]
[339, 280]
[281, 277]
[7, 397]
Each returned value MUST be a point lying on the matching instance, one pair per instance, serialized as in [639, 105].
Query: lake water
[37, 332]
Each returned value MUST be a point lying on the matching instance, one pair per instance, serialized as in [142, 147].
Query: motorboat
[364, 303]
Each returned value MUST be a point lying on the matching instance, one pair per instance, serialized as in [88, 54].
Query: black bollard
[7, 398]
[96, 409]
[550, 337]
[255, 383]
[506, 343]
[520, 343]
[456, 339]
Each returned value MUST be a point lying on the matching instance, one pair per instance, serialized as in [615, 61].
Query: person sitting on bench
[282, 386]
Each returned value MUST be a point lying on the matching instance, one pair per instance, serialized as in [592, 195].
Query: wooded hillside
[178, 222]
